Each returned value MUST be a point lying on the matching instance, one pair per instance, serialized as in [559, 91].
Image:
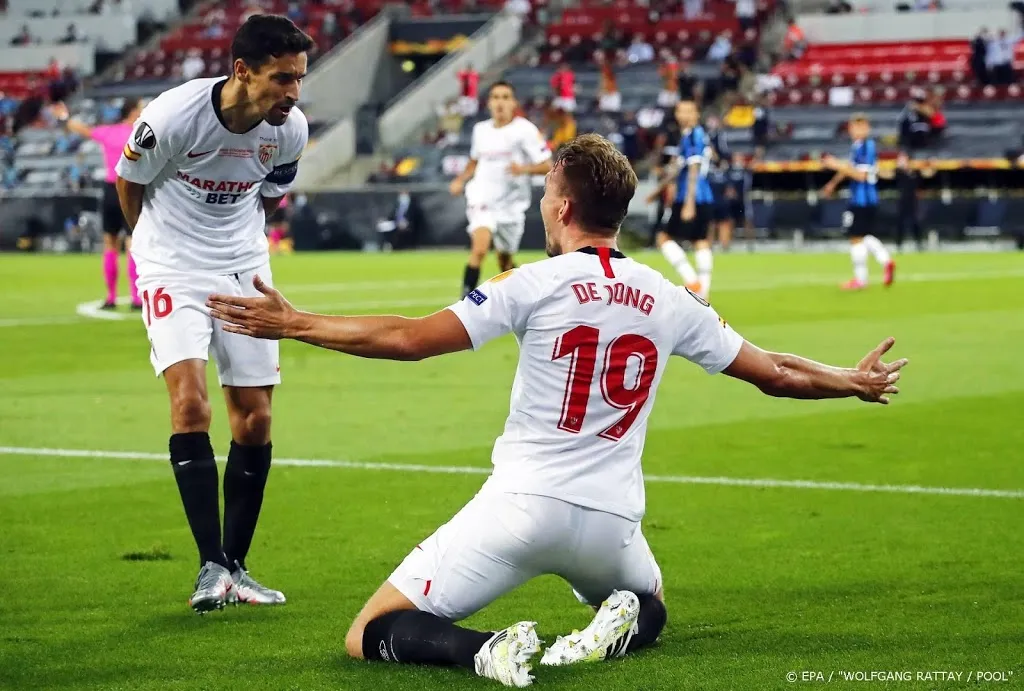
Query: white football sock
[705, 262]
[877, 249]
[859, 256]
[677, 258]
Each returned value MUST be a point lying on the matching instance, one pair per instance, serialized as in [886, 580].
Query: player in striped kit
[862, 172]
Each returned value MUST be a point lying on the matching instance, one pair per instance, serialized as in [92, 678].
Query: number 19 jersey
[595, 331]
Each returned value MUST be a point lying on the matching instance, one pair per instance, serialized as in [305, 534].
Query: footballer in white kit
[566, 496]
[505, 152]
[207, 162]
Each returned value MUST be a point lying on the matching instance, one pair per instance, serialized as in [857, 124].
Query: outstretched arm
[383, 337]
[791, 376]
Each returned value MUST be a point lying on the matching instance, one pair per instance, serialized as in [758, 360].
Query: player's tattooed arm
[130, 194]
[384, 337]
[791, 376]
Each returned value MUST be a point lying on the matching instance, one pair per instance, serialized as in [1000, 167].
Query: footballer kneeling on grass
[566, 496]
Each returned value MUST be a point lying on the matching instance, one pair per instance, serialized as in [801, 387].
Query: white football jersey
[202, 210]
[494, 149]
[595, 331]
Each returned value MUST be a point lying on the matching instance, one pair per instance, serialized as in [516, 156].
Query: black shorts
[110, 211]
[722, 211]
[860, 221]
[694, 230]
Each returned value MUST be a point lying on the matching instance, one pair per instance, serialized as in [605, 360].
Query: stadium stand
[914, 73]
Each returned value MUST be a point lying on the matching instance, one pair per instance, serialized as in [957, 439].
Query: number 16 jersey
[595, 331]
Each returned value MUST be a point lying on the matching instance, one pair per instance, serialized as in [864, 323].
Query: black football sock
[470, 279]
[245, 478]
[195, 471]
[650, 623]
[420, 638]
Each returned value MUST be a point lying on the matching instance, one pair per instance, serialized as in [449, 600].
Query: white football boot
[506, 656]
[213, 588]
[606, 637]
[250, 591]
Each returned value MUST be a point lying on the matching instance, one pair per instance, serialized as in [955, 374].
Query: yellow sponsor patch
[502, 276]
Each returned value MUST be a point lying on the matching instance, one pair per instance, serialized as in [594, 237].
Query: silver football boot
[213, 588]
[250, 591]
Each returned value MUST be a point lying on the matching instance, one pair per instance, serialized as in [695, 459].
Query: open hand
[269, 316]
[878, 379]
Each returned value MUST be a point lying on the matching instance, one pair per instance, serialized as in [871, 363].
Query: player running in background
[112, 139]
[862, 171]
[738, 183]
[566, 496]
[693, 208]
[208, 162]
[505, 152]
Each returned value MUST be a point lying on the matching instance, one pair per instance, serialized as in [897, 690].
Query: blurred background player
[739, 180]
[505, 151]
[721, 218]
[692, 210]
[112, 139]
[862, 171]
[907, 181]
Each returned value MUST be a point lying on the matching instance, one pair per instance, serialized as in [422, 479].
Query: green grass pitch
[96, 562]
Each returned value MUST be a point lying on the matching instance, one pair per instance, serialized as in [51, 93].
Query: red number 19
[580, 343]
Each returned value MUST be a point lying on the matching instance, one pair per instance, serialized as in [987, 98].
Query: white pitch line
[767, 483]
[92, 309]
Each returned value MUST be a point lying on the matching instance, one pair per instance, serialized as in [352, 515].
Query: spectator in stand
[194, 66]
[613, 38]
[71, 35]
[690, 88]
[720, 49]
[609, 100]
[915, 131]
[999, 57]
[669, 73]
[329, 28]
[23, 37]
[639, 50]
[295, 12]
[563, 88]
[628, 139]
[979, 53]
[746, 14]
[937, 119]
[450, 118]
[565, 128]
[693, 9]
[469, 91]
[795, 44]
[747, 54]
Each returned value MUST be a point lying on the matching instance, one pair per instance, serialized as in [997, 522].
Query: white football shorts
[506, 225]
[499, 540]
[180, 327]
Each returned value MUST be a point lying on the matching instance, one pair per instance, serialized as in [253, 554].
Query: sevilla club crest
[266, 152]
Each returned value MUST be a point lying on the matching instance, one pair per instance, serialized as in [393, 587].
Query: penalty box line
[761, 483]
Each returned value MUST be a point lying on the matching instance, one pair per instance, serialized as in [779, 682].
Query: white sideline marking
[92, 309]
[474, 470]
